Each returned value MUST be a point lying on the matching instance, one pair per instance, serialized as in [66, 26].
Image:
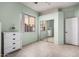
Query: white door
[68, 31]
[71, 31]
[75, 31]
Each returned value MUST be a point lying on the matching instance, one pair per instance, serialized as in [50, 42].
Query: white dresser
[12, 42]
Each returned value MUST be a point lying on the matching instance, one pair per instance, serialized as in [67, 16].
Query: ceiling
[42, 6]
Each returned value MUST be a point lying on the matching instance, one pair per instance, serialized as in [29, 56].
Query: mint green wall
[30, 36]
[72, 11]
[43, 34]
[11, 13]
[76, 10]
[68, 12]
[58, 18]
[60, 27]
[53, 16]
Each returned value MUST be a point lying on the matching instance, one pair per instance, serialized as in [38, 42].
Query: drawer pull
[13, 47]
[14, 34]
[13, 38]
[14, 43]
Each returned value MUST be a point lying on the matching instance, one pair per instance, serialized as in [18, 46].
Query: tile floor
[46, 49]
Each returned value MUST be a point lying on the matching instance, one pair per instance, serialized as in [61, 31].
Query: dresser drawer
[12, 47]
[15, 38]
[16, 35]
[12, 42]
[10, 39]
[8, 35]
[16, 46]
[7, 50]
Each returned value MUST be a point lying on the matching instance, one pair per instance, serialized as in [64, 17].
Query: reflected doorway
[47, 30]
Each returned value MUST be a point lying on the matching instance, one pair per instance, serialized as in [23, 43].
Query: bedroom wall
[58, 18]
[60, 27]
[54, 15]
[69, 12]
[11, 13]
[72, 11]
[49, 16]
[76, 10]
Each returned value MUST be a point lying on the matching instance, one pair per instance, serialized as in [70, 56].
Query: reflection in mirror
[43, 25]
[47, 30]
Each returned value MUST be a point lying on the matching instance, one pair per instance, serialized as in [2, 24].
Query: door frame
[64, 30]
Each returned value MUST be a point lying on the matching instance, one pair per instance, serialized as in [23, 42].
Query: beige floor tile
[46, 49]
